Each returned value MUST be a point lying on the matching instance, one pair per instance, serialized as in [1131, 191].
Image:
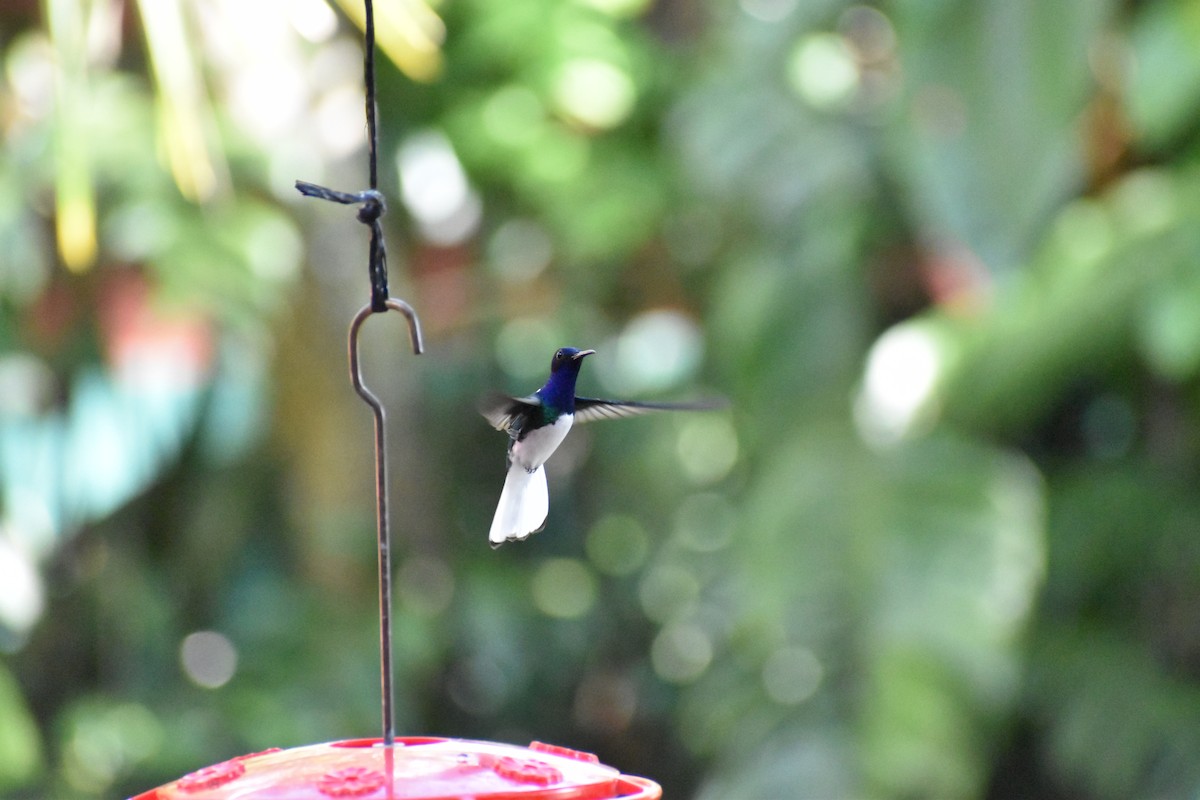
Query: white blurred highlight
[823, 71]
[312, 19]
[21, 593]
[436, 191]
[898, 397]
[656, 350]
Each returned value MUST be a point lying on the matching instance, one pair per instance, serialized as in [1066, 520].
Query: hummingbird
[536, 425]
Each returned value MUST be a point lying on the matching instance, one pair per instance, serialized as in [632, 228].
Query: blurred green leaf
[1164, 71]
[946, 563]
[987, 140]
[21, 759]
[1118, 723]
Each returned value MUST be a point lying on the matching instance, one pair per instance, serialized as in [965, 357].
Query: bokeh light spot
[269, 98]
[1170, 333]
[617, 544]
[31, 69]
[705, 522]
[681, 652]
[656, 350]
[791, 675]
[209, 659]
[520, 250]
[1145, 202]
[274, 249]
[21, 595]
[338, 118]
[707, 447]
[435, 189]
[869, 33]
[605, 702]
[668, 592]
[312, 19]
[106, 740]
[898, 392]
[594, 92]
[514, 115]
[564, 588]
[823, 71]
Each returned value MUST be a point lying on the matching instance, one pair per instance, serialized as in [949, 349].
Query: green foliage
[21, 759]
[940, 256]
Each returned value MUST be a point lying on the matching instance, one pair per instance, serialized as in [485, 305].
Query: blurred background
[943, 256]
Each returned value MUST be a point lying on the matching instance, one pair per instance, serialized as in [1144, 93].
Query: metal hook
[381, 502]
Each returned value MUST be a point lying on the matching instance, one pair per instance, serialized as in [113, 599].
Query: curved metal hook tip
[414, 334]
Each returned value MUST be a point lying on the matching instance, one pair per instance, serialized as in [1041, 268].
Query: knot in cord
[373, 206]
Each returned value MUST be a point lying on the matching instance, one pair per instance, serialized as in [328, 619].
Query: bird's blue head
[559, 392]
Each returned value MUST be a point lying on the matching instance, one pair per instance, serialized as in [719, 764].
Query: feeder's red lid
[414, 769]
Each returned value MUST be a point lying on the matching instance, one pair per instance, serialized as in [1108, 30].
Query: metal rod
[381, 504]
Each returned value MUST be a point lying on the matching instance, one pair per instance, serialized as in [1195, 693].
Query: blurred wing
[504, 412]
[588, 409]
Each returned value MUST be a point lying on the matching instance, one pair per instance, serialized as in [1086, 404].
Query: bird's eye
[559, 356]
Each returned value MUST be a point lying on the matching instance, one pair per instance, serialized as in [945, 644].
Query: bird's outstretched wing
[506, 413]
[588, 409]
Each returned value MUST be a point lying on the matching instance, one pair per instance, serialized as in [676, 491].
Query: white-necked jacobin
[536, 426]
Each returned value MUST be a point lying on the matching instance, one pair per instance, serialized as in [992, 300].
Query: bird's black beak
[581, 354]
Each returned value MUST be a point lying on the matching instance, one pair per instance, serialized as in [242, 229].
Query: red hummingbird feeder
[412, 768]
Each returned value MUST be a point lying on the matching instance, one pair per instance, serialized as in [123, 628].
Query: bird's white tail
[523, 506]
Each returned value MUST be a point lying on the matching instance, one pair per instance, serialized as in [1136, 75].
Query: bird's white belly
[537, 446]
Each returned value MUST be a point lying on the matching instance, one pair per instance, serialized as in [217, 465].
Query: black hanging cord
[369, 82]
[372, 209]
[373, 205]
